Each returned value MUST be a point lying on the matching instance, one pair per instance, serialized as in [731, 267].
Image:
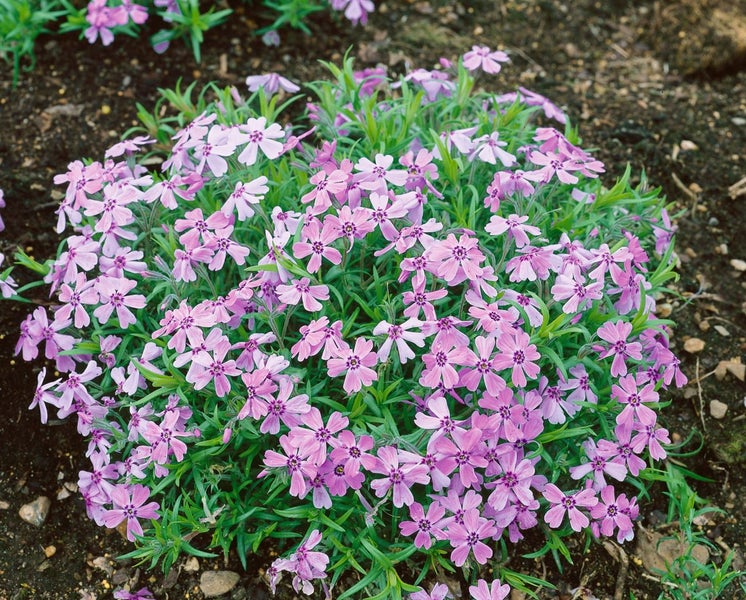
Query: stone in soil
[36, 512]
[217, 583]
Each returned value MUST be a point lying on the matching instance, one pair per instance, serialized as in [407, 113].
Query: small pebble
[191, 565]
[738, 121]
[694, 345]
[688, 145]
[50, 551]
[738, 264]
[718, 409]
[713, 222]
[36, 512]
[217, 583]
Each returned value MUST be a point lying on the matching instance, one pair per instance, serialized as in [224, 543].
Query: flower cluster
[422, 328]
[103, 19]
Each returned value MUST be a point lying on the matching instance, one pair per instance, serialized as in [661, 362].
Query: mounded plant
[389, 342]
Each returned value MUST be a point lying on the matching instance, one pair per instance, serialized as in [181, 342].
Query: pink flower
[356, 364]
[301, 291]
[243, 196]
[456, 260]
[113, 297]
[399, 335]
[482, 368]
[375, 176]
[515, 227]
[295, 461]
[489, 149]
[616, 335]
[316, 242]
[481, 57]
[627, 393]
[326, 186]
[467, 537]
[564, 504]
[270, 83]
[517, 353]
[439, 366]
[129, 504]
[578, 295]
[402, 470]
[489, 591]
[609, 513]
[257, 136]
[426, 526]
[214, 368]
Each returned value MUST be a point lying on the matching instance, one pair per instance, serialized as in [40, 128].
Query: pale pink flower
[481, 57]
[355, 364]
[299, 290]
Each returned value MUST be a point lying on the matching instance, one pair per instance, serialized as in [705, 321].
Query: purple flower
[616, 335]
[129, 504]
[481, 57]
[467, 537]
[270, 83]
[426, 526]
[564, 504]
[402, 469]
[355, 364]
[489, 591]
[609, 513]
[439, 591]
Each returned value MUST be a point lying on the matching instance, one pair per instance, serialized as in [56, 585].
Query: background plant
[100, 21]
[21, 22]
[206, 367]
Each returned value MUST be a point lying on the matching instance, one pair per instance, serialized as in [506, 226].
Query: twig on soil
[692, 196]
[619, 554]
[737, 189]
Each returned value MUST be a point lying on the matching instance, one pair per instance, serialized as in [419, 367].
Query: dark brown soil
[605, 62]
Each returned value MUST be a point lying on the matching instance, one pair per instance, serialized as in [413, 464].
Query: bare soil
[646, 83]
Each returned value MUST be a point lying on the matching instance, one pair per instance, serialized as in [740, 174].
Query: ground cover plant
[418, 328]
[100, 21]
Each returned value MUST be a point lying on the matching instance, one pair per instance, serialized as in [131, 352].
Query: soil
[645, 83]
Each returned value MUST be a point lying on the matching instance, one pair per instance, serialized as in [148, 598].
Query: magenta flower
[129, 504]
[628, 393]
[466, 537]
[516, 353]
[402, 469]
[426, 526]
[296, 462]
[316, 242]
[420, 300]
[399, 335]
[489, 591]
[440, 420]
[651, 437]
[578, 295]
[552, 164]
[113, 297]
[270, 83]
[355, 10]
[284, 408]
[42, 396]
[301, 291]
[355, 364]
[440, 365]
[456, 260]
[481, 57]
[609, 513]
[259, 390]
[351, 223]
[570, 505]
[616, 335]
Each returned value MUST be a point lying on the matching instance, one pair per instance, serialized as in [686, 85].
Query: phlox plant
[101, 20]
[389, 343]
